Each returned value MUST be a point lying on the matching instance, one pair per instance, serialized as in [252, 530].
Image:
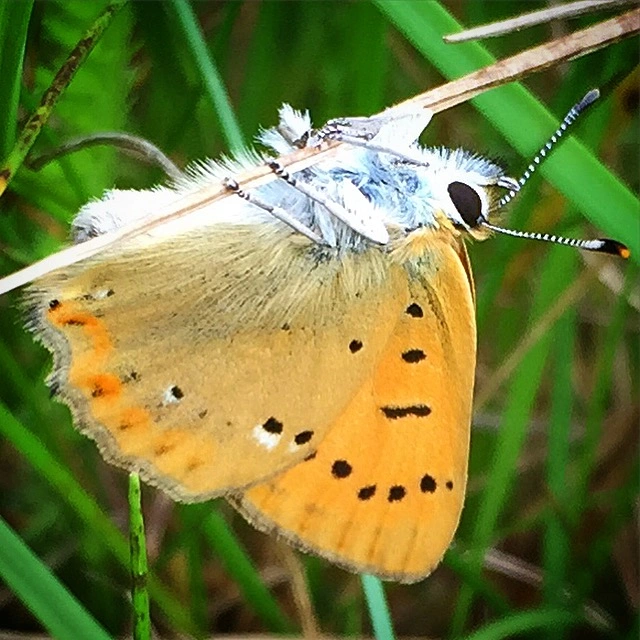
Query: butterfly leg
[369, 145]
[275, 211]
[358, 130]
[311, 192]
[342, 131]
[360, 217]
[392, 133]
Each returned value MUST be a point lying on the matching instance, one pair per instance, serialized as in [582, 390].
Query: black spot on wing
[163, 449]
[132, 376]
[396, 493]
[413, 356]
[273, 426]
[428, 484]
[417, 410]
[98, 390]
[341, 469]
[415, 310]
[355, 346]
[176, 392]
[303, 437]
[74, 322]
[366, 493]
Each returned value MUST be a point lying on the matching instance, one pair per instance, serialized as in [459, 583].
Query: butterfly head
[466, 190]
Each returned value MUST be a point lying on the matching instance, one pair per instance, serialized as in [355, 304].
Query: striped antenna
[601, 245]
[569, 119]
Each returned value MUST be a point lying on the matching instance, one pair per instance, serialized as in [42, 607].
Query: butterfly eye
[467, 202]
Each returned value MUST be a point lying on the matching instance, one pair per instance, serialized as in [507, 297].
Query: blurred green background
[548, 544]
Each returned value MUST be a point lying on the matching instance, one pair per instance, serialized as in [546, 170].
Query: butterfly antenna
[603, 245]
[569, 119]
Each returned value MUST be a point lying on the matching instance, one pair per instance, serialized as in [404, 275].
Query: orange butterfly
[306, 350]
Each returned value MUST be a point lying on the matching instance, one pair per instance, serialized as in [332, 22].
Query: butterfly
[305, 349]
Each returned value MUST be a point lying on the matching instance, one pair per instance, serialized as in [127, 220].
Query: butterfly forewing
[228, 365]
[384, 491]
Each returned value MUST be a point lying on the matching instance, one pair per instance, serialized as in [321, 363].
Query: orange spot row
[133, 418]
[64, 315]
[103, 385]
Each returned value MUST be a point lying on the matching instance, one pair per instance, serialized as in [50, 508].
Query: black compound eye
[467, 201]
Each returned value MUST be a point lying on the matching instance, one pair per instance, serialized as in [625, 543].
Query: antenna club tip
[589, 98]
[624, 252]
[615, 248]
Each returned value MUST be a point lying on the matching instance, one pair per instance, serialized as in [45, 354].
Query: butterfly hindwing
[384, 490]
[228, 365]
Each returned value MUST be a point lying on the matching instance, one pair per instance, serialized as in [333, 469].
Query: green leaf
[42, 593]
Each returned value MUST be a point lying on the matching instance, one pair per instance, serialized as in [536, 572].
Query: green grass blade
[192, 543]
[38, 119]
[14, 20]
[525, 623]
[598, 399]
[588, 575]
[378, 608]
[213, 83]
[556, 552]
[456, 561]
[515, 421]
[634, 634]
[238, 564]
[41, 592]
[139, 569]
[85, 508]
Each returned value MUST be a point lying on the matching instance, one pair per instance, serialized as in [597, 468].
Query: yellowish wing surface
[384, 491]
[208, 366]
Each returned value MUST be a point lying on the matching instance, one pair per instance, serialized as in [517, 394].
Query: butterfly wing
[384, 491]
[213, 361]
